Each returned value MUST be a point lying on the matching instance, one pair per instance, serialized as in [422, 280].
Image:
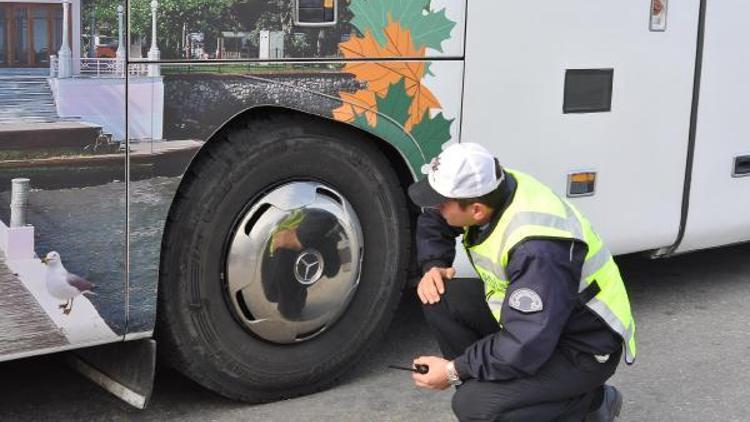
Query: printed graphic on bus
[81, 179]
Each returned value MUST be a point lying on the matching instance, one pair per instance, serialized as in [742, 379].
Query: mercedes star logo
[308, 267]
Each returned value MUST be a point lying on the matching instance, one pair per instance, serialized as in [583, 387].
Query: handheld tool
[418, 368]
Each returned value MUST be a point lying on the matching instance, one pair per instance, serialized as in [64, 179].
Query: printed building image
[52, 72]
[32, 31]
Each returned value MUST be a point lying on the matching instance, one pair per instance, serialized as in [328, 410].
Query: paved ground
[694, 343]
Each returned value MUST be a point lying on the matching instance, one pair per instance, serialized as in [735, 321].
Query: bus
[244, 208]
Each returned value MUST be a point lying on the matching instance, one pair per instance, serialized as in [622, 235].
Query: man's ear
[478, 210]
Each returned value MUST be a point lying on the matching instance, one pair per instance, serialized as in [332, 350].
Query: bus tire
[200, 331]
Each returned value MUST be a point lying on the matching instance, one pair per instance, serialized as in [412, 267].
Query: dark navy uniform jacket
[551, 267]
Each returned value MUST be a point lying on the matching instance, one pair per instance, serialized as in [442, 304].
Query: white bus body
[264, 194]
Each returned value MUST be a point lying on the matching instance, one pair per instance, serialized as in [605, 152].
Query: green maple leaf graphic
[370, 15]
[432, 133]
[396, 102]
[427, 28]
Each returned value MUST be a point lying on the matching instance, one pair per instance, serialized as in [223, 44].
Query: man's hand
[432, 284]
[437, 378]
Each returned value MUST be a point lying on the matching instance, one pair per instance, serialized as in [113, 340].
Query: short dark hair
[489, 199]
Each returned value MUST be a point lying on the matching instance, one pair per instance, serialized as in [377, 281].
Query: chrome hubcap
[293, 262]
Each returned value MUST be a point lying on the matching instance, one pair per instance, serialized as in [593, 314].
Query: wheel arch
[399, 160]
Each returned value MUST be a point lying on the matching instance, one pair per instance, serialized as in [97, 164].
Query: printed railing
[99, 67]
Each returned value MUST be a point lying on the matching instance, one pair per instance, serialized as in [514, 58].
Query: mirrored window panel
[62, 178]
[283, 29]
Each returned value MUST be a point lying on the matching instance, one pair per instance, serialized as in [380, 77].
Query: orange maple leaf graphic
[380, 75]
[362, 101]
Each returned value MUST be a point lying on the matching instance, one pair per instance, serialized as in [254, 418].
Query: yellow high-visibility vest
[536, 211]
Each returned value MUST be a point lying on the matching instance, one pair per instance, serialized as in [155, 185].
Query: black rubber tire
[196, 327]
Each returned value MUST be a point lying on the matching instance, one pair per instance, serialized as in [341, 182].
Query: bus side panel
[517, 55]
[199, 100]
[719, 203]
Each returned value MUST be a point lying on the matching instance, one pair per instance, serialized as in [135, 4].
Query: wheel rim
[293, 261]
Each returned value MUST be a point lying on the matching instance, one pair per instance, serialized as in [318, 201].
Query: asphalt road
[694, 345]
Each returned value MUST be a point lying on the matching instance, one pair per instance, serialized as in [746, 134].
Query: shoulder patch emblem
[525, 300]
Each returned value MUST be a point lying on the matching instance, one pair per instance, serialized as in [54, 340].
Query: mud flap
[124, 369]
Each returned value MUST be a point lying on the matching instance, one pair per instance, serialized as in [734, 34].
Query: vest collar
[508, 190]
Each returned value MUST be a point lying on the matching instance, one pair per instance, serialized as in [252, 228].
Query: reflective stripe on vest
[537, 212]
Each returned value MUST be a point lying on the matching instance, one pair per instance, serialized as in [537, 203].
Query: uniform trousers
[565, 388]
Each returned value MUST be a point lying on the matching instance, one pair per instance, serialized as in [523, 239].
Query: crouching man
[545, 326]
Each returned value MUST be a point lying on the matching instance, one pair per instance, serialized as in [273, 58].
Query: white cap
[465, 170]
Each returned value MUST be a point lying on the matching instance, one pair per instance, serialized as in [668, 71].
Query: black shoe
[610, 407]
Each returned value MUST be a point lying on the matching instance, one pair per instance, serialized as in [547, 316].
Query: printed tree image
[176, 18]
